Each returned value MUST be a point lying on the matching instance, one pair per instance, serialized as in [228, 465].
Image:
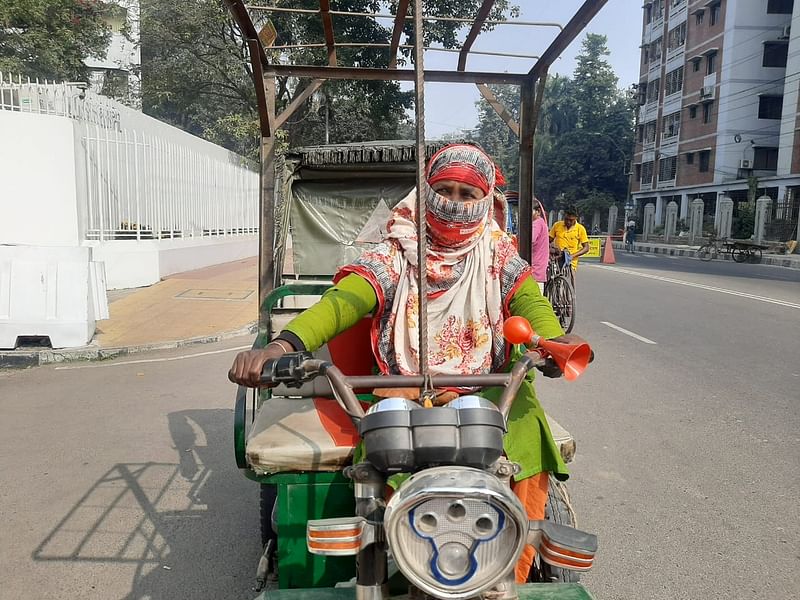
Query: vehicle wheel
[267, 498]
[740, 255]
[755, 255]
[558, 510]
[704, 253]
[562, 299]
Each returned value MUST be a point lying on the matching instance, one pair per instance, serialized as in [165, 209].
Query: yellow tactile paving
[157, 314]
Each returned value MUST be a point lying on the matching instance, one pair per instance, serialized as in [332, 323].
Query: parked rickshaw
[327, 527]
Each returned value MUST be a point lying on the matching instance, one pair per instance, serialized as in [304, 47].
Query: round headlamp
[455, 531]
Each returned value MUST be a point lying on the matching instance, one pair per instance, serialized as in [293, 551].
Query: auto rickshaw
[322, 517]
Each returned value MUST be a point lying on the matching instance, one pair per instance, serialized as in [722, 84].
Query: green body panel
[533, 591]
[304, 496]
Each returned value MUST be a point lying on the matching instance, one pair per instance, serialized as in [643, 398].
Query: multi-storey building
[719, 103]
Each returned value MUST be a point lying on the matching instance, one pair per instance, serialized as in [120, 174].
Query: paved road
[117, 481]
[688, 460]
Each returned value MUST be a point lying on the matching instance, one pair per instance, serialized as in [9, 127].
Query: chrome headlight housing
[455, 532]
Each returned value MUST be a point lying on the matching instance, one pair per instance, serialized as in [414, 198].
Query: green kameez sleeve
[529, 303]
[340, 307]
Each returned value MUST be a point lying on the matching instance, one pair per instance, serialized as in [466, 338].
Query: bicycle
[712, 249]
[559, 289]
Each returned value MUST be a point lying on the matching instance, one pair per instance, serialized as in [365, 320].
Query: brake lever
[288, 369]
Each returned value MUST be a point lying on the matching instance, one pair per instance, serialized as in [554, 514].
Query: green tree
[588, 165]
[50, 39]
[196, 71]
[557, 116]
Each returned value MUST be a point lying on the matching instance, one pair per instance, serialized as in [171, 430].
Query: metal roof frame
[531, 84]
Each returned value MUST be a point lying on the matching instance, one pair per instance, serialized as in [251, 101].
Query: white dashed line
[630, 333]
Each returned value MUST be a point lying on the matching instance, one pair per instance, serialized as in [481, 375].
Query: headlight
[455, 531]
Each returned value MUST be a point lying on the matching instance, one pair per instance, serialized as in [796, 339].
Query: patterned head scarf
[472, 270]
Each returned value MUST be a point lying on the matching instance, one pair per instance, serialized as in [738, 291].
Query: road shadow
[189, 528]
[726, 268]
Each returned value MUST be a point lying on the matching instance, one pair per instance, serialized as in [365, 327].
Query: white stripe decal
[630, 333]
[701, 286]
[152, 360]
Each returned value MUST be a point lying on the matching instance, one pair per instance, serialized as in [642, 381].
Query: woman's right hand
[247, 366]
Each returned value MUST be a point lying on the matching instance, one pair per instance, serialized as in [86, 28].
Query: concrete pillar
[763, 211]
[561, 215]
[596, 220]
[684, 206]
[649, 221]
[724, 217]
[612, 219]
[696, 220]
[671, 221]
[659, 210]
[551, 218]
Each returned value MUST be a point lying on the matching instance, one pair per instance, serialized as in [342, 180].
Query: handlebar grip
[288, 370]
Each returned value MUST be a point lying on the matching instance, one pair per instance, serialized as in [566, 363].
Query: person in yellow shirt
[571, 236]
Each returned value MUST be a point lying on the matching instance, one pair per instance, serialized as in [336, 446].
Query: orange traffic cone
[608, 253]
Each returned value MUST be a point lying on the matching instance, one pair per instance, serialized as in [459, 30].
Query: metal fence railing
[139, 178]
[67, 99]
[139, 186]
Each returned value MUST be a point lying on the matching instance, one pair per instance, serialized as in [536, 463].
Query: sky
[451, 107]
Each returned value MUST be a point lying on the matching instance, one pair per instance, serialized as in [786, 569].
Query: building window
[676, 37]
[690, 158]
[647, 172]
[693, 111]
[707, 112]
[780, 7]
[671, 125]
[655, 51]
[658, 10]
[695, 65]
[711, 63]
[653, 89]
[650, 132]
[775, 54]
[638, 172]
[765, 159]
[698, 17]
[770, 107]
[640, 130]
[648, 14]
[714, 14]
[704, 160]
[667, 166]
[674, 81]
[677, 2]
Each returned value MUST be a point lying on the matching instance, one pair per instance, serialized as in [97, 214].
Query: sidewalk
[789, 261]
[186, 308]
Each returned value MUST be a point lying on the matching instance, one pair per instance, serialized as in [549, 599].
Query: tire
[740, 255]
[704, 253]
[562, 298]
[558, 511]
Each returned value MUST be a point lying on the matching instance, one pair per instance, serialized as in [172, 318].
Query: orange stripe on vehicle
[333, 533]
[561, 550]
[355, 545]
[563, 561]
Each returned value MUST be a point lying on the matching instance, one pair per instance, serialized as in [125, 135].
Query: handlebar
[295, 368]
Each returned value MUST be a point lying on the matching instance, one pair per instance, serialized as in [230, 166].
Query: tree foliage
[196, 70]
[50, 39]
[583, 139]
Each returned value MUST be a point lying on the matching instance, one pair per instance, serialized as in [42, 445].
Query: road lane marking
[153, 360]
[630, 333]
[701, 286]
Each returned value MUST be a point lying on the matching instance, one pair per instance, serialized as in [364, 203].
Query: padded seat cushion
[300, 434]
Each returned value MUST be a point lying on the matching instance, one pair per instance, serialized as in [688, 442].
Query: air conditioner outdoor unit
[745, 164]
[707, 91]
[786, 32]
